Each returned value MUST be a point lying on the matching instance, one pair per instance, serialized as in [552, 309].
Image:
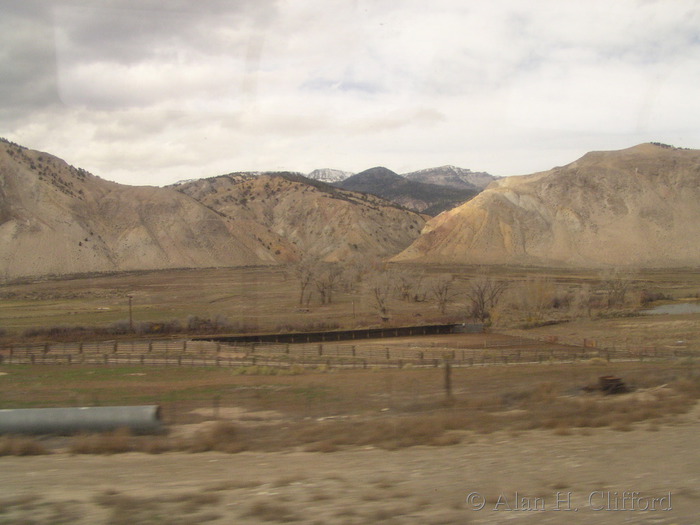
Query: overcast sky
[151, 92]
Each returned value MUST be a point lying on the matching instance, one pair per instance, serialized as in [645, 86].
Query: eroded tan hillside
[318, 220]
[634, 207]
[56, 219]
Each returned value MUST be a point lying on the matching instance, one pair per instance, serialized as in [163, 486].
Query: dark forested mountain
[430, 199]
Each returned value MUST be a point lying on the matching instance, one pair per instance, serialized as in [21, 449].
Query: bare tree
[442, 289]
[483, 294]
[327, 281]
[354, 270]
[380, 287]
[305, 270]
[404, 284]
[616, 284]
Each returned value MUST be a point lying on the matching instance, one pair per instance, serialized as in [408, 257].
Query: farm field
[381, 442]
[266, 299]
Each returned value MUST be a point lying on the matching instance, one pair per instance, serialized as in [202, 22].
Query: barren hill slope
[635, 207]
[57, 219]
[318, 219]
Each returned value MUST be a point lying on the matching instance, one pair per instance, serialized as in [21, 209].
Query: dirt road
[532, 477]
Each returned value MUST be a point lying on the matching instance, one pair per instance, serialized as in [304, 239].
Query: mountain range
[635, 207]
[312, 217]
[426, 198]
[58, 219]
[429, 191]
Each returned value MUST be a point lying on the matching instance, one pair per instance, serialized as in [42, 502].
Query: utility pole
[131, 317]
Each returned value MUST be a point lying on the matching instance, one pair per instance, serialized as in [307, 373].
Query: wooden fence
[478, 352]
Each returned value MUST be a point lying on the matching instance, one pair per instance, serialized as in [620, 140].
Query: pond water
[675, 309]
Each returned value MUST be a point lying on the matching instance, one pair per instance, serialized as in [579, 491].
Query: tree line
[481, 296]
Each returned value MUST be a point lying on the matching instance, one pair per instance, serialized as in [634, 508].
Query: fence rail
[167, 353]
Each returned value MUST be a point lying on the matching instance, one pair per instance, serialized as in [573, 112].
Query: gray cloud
[148, 91]
[27, 60]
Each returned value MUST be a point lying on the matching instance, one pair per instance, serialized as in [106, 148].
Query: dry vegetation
[331, 411]
[311, 296]
[312, 445]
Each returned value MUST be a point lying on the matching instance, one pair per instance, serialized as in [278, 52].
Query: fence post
[114, 351]
[106, 359]
[448, 380]
[216, 402]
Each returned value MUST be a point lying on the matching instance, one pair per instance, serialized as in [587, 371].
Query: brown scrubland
[324, 444]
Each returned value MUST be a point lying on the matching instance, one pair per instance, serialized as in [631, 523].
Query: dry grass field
[355, 447]
[264, 299]
[375, 445]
